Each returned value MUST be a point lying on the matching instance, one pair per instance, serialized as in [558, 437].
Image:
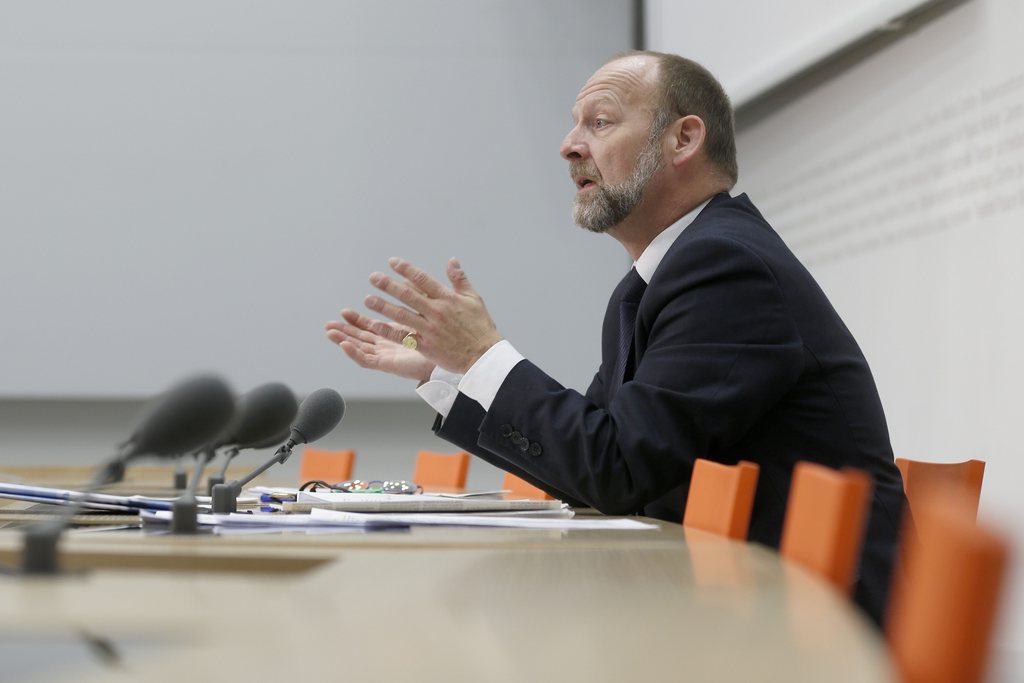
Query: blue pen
[277, 498]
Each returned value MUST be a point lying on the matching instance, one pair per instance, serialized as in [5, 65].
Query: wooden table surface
[433, 603]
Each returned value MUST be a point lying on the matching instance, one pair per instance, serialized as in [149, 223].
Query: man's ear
[687, 139]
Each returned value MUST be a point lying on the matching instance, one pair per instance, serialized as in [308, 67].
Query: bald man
[717, 344]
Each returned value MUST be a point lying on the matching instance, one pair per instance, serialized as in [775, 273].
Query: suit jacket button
[506, 430]
[524, 444]
[515, 436]
[535, 449]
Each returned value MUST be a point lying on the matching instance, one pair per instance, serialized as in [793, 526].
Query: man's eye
[600, 123]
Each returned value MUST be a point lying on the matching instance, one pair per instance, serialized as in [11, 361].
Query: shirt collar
[656, 250]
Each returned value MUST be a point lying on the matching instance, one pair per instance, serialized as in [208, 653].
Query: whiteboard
[201, 185]
[752, 46]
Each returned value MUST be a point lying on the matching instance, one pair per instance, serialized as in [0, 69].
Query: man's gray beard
[608, 206]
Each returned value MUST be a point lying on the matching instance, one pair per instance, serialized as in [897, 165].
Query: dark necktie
[632, 289]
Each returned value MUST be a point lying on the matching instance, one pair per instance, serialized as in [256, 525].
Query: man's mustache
[584, 170]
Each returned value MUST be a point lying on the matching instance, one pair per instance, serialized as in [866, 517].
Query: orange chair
[441, 470]
[329, 466]
[523, 489]
[721, 498]
[825, 520]
[920, 478]
[944, 604]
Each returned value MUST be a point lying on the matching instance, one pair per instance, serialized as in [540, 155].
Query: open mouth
[584, 183]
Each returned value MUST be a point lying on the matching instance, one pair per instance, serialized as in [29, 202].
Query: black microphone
[263, 413]
[182, 418]
[318, 414]
[191, 416]
[259, 414]
[180, 476]
[275, 440]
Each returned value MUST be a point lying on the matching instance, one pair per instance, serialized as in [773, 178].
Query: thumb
[458, 278]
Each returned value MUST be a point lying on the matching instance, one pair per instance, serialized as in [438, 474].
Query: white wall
[899, 181]
[768, 42]
[200, 185]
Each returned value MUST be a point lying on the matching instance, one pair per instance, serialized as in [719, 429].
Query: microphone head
[319, 413]
[183, 418]
[272, 442]
[263, 413]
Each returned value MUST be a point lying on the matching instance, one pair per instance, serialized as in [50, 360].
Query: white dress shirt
[483, 380]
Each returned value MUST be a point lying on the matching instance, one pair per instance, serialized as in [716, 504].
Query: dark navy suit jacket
[737, 355]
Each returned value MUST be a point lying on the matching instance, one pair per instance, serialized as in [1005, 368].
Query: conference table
[428, 603]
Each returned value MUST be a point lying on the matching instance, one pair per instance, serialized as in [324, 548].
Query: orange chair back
[441, 470]
[323, 465]
[523, 489]
[721, 498]
[920, 478]
[825, 519]
[944, 604]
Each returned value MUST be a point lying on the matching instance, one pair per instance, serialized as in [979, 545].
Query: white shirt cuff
[482, 381]
[440, 392]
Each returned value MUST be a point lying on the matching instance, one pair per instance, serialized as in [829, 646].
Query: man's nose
[573, 147]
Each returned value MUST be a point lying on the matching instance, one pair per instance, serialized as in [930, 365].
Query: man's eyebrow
[595, 101]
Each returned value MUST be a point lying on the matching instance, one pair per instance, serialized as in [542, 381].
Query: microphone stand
[225, 496]
[185, 510]
[218, 478]
[39, 551]
[180, 478]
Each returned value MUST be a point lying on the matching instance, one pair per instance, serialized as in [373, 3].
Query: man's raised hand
[452, 325]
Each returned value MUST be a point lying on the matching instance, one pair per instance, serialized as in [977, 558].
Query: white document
[484, 520]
